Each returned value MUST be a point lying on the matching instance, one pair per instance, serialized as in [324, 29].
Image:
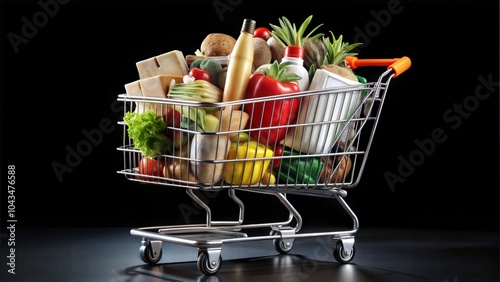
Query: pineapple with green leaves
[337, 51]
[329, 54]
[288, 34]
[314, 53]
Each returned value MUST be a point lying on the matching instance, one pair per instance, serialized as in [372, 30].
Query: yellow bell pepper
[247, 172]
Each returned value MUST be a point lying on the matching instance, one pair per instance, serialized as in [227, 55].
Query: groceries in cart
[242, 113]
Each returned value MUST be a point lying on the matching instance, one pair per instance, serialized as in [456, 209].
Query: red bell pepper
[280, 112]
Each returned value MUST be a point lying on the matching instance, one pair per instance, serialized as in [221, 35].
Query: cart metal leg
[344, 249]
[209, 238]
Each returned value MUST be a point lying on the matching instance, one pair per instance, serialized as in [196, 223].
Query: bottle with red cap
[295, 55]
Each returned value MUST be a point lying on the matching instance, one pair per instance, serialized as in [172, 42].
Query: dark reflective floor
[112, 254]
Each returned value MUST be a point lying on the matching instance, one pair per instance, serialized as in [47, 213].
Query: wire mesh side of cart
[334, 127]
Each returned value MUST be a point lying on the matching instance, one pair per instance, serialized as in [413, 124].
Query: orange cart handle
[398, 65]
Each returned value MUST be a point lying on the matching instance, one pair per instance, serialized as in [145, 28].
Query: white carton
[327, 111]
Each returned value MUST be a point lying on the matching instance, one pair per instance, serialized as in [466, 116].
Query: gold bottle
[239, 68]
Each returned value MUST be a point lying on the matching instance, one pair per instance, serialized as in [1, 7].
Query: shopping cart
[323, 155]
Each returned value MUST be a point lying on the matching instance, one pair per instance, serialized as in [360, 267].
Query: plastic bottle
[295, 54]
[240, 63]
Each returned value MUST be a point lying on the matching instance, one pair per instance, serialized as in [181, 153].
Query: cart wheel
[281, 246]
[207, 267]
[148, 255]
[340, 254]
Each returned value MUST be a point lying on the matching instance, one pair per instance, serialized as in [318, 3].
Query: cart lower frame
[210, 237]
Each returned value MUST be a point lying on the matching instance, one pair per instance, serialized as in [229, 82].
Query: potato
[232, 120]
[172, 165]
[262, 52]
[205, 149]
[217, 44]
[168, 169]
[182, 172]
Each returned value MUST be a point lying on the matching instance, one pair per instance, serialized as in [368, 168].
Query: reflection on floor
[112, 254]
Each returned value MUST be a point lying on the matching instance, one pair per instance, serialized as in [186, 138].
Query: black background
[65, 79]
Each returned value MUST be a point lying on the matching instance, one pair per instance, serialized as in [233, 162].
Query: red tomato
[173, 119]
[198, 74]
[150, 166]
[278, 152]
[262, 32]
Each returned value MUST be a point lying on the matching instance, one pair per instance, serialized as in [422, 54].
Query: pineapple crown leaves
[287, 33]
[337, 50]
[279, 72]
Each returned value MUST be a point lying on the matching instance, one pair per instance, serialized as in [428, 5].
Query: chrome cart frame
[355, 128]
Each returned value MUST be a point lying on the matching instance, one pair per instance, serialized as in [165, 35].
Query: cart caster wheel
[148, 255]
[207, 267]
[341, 255]
[281, 246]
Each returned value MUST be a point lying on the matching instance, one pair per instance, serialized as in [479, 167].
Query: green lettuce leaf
[147, 130]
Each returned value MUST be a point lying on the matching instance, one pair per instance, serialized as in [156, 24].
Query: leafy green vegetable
[197, 119]
[196, 63]
[147, 130]
[198, 90]
[213, 67]
[193, 118]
